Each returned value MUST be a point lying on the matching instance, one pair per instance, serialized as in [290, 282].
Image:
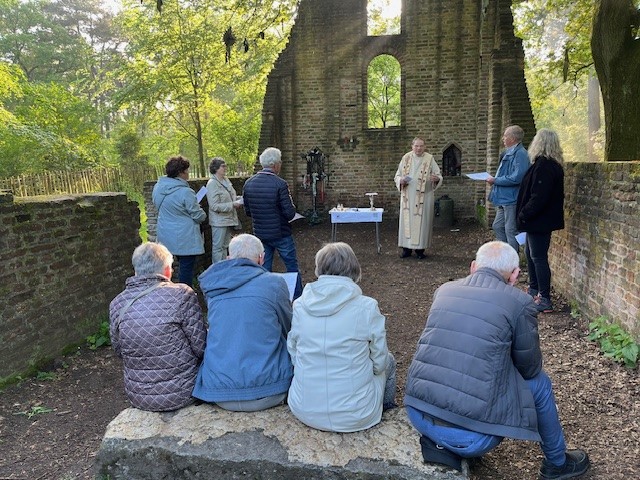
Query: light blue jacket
[338, 347]
[514, 163]
[249, 316]
[179, 216]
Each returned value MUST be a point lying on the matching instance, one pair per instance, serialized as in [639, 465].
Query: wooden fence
[82, 181]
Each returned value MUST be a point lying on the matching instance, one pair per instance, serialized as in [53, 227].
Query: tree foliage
[557, 37]
[181, 69]
[383, 92]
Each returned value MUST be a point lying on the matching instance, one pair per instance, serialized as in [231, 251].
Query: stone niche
[462, 81]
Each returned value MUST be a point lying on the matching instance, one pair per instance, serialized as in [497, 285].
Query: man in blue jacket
[514, 163]
[477, 373]
[268, 202]
[246, 366]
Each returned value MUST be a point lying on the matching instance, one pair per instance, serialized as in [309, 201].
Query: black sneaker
[575, 464]
[406, 252]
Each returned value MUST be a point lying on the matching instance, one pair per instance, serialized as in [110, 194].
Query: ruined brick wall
[595, 260]
[462, 83]
[62, 259]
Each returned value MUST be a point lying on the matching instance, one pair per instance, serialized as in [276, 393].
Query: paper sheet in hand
[239, 201]
[297, 216]
[478, 176]
[291, 279]
[201, 193]
[521, 238]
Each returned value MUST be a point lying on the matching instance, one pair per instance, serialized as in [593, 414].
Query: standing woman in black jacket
[540, 211]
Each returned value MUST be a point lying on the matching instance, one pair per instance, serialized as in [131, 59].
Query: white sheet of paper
[240, 201]
[478, 176]
[297, 216]
[521, 238]
[201, 193]
[291, 278]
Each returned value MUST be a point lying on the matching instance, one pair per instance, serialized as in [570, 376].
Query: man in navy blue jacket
[268, 202]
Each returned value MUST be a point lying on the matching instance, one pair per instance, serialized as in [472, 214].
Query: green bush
[614, 342]
[101, 338]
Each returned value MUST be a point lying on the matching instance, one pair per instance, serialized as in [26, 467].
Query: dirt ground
[51, 427]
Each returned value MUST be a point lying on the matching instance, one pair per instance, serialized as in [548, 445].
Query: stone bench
[206, 442]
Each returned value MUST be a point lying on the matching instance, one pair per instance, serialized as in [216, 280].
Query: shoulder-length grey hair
[545, 144]
[151, 258]
[338, 259]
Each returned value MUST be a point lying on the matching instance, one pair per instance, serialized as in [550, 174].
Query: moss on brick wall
[595, 260]
[62, 260]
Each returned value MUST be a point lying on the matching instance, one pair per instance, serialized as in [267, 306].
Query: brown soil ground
[599, 401]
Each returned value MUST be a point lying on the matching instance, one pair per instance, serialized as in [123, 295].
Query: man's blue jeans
[287, 250]
[470, 444]
[504, 225]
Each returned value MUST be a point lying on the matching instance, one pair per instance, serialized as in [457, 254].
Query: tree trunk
[616, 56]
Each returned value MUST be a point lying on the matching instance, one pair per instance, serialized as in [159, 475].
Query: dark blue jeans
[185, 272]
[287, 250]
[536, 250]
[470, 444]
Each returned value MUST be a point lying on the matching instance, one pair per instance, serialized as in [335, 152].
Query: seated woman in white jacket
[343, 371]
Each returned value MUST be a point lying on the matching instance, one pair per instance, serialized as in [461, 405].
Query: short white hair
[247, 246]
[498, 256]
[270, 157]
[151, 258]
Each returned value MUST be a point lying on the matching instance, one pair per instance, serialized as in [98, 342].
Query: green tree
[561, 42]
[615, 45]
[181, 71]
[383, 92]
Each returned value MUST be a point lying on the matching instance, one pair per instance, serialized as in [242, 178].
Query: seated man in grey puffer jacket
[477, 374]
[158, 330]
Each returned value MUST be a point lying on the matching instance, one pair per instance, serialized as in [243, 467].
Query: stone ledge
[206, 442]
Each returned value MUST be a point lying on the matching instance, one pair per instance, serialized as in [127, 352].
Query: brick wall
[63, 259]
[462, 83]
[595, 260]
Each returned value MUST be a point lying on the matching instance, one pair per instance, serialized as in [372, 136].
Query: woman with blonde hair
[343, 372]
[540, 211]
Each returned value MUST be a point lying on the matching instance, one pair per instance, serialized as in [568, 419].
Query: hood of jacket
[167, 185]
[328, 295]
[228, 275]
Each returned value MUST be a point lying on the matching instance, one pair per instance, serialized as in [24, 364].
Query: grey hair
[247, 246]
[416, 139]
[151, 258]
[545, 144]
[270, 157]
[498, 256]
[216, 163]
[516, 132]
[338, 259]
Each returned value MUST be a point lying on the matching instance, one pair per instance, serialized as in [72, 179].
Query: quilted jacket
[160, 339]
[268, 202]
[478, 347]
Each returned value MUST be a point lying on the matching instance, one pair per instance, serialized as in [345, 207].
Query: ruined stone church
[461, 82]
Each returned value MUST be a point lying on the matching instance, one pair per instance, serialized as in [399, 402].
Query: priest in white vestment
[417, 178]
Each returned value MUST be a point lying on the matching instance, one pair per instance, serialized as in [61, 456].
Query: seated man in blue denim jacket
[477, 373]
[514, 163]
